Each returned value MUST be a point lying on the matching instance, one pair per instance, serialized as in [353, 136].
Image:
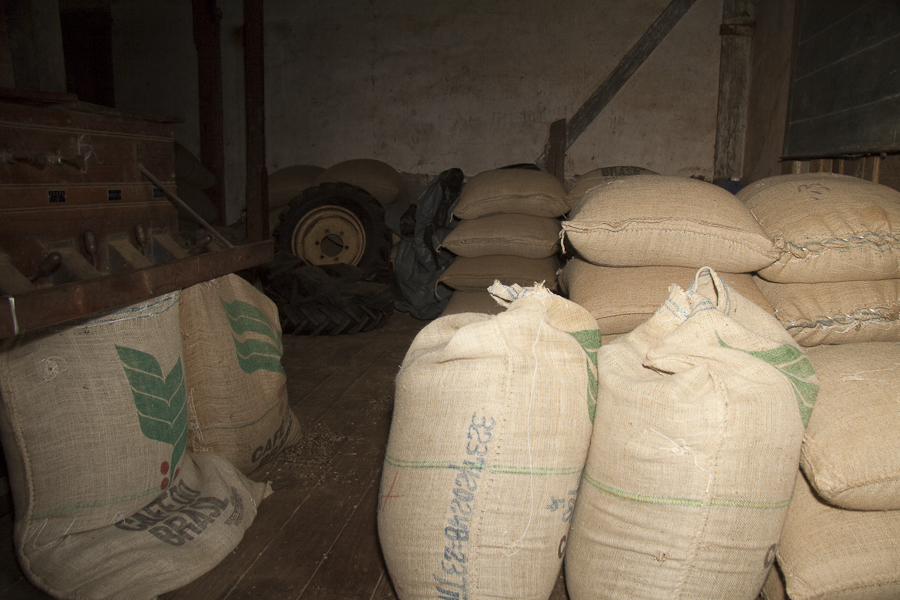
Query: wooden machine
[87, 222]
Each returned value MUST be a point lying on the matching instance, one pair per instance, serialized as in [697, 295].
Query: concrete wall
[425, 85]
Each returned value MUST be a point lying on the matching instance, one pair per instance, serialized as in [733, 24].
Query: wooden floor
[315, 537]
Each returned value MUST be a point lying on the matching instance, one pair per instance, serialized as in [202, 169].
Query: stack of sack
[128, 437]
[658, 466]
[633, 236]
[836, 288]
[508, 232]
[837, 275]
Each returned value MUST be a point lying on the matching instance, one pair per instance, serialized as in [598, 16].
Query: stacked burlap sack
[836, 288]
[633, 236]
[837, 275]
[508, 231]
[680, 442]
[109, 500]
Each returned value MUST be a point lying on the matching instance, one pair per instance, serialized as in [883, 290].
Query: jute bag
[378, 178]
[183, 533]
[827, 227]
[621, 298]
[654, 220]
[511, 235]
[477, 274]
[94, 428]
[695, 448]
[851, 451]
[237, 389]
[491, 425]
[829, 553]
[287, 183]
[477, 302]
[841, 312]
[512, 191]
[599, 176]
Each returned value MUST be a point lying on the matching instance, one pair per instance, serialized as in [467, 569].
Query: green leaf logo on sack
[254, 354]
[590, 340]
[160, 402]
[794, 365]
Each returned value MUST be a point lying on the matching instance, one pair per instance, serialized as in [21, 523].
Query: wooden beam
[62, 303]
[556, 150]
[626, 68]
[734, 87]
[207, 18]
[254, 90]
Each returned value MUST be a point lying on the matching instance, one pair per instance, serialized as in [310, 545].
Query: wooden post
[254, 90]
[556, 150]
[207, 18]
[734, 87]
[871, 167]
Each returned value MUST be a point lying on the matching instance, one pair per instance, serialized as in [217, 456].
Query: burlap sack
[827, 227]
[773, 589]
[477, 302]
[512, 191]
[287, 183]
[237, 389]
[695, 448]
[93, 444]
[596, 177]
[477, 274]
[491, 425]
[842, 312]
[509, 235]
[851, 451]
[183, 533]
[94, 428]
[648, 220]
[621, 298]
[829, 553]
[378, 178]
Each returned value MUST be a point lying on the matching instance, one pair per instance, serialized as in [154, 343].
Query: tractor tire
[316, 318]
[330, 300]
[335, 223]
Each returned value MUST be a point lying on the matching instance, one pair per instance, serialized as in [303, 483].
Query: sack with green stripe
[490, 431]
[695, 449]
[237, 389]
[108, 501]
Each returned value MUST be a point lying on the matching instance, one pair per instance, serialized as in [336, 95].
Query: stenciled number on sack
[451, 583]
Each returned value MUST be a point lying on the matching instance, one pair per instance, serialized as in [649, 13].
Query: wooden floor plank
[303, 543]
[350, 408]
[384, 590]
[352, 566]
